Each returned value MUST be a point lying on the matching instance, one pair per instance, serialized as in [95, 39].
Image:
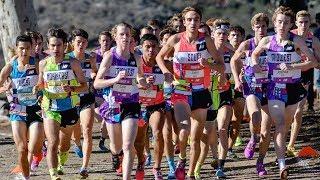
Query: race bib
[158, 78]
[147, 93]
[194, 73]
[286, 76]
[61, 75]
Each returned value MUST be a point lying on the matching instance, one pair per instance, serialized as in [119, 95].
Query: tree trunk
[16, 16]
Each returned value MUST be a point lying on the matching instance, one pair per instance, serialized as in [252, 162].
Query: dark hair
[239, 29]
[33, 34]
[154, 22]
[79, 32]
[105, 33]
[23, 38]
[166, 31]
[318, 17]
[149, 37]
[57, 33]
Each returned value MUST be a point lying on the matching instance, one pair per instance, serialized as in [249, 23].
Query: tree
[16, 16]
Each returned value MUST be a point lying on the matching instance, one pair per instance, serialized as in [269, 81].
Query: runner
[105, 41]
[60, 79]
[170, 125]
[303, 20]
[121, 108]
[152, 103]
[191, 97]
[223, 95]
[284, 90]
[24, 109]
[87, 99]
[254, 88]
[236, 36]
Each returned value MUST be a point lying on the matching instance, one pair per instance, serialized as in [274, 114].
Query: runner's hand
[238, 86]
[203, 62]
[285, 67]
[67, 88]
[35, 89]
[168, 77]
[121, 75]
[150, 79]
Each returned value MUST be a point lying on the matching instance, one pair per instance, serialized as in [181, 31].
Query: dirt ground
[100, 164]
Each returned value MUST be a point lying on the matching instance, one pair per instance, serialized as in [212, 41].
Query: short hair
[303, 13]
[166, 31]
[23, 38]
[124, 24]
[154, 22]
[318, 17]
[210, 21]
[57, 33]
[33, 34]
[174, 18]
[260, 17]
[191, 8]
[285, 11]
[239, 29]
[204, 25]
[221, 23]
[105, 33]
[149, 28]
[79, 32]
[149, 37]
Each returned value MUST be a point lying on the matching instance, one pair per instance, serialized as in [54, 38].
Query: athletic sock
[282, 163]
[171, 163]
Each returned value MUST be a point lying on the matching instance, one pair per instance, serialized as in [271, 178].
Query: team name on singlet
[283, 57]
[131, 71]
[58, 75]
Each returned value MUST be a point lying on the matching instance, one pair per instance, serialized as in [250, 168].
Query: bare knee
[127, 147]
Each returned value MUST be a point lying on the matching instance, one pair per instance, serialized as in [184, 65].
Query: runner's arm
[312, 62]
[235, 61]
[262, 46]
[100, 82]
[5, 73]
[140, 77]
[167, 48]
[76, 67]
[218, 58]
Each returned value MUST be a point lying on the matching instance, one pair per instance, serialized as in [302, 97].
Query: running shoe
[60, 170]
[157, 174]
[19, 176]
[249, 150]
[220, 174]
[238, 142]
[103, 147]
[172, 168]
[232, 155]
[84, 172]
[35, 162]
[78, 151]
[261, 171]
[291, 152]
[214, 163]
[148, 160]
[197, 170]
[140, 171]
[284, 173]
[180, 171]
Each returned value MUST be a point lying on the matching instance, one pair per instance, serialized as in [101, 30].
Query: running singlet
[126, 90]
[249, 75]
[278, 54]
[22, 86]
[153, 95]
[86, 69]
[99, 56]
[188, 73]
[308, 42]
[55, 75]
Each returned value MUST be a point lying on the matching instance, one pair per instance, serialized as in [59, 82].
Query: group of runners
[190, 82]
